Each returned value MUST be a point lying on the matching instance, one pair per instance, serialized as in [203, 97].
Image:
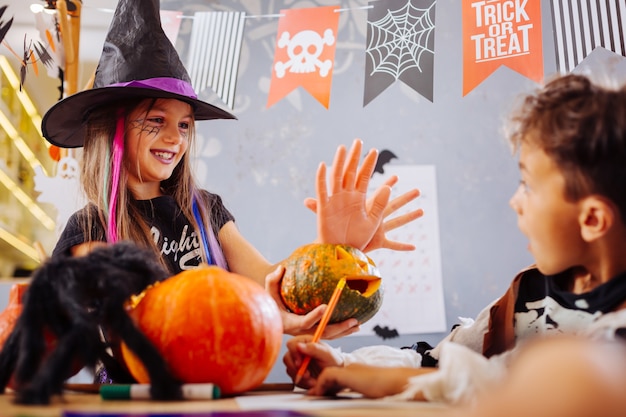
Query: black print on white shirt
[547, 315]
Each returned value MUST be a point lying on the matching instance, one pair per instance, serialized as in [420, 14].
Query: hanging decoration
[62, 190]
[214, 52]
[50, 47]
[4, 26]
[170, 22]
[582, 26]
[400, 46]
[305, 53]
[501, 32]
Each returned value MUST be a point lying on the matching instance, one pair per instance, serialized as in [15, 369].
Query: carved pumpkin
[313, 271]
[209, 325]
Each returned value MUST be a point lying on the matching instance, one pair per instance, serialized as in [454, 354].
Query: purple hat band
[171, 85]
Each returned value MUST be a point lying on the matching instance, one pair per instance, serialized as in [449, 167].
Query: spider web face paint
[144, 127]
[400, 46]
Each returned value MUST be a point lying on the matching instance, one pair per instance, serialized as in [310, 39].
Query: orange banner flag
[501, 32]
[305, 53]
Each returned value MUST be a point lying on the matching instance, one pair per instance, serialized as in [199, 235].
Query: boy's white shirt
[463, 372]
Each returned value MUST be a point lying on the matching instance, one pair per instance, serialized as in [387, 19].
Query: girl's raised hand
[347, 205]
[343, 214]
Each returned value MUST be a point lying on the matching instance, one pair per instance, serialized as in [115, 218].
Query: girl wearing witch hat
[136, 125]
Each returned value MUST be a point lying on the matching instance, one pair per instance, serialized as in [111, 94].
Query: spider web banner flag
[400, 46]
[582, 26]
[501, 32]
[305, 53]
[214, 51]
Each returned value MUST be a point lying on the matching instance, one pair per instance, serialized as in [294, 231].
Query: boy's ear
[597, 216]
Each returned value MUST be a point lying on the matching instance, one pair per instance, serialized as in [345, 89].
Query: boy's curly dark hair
[581, 126]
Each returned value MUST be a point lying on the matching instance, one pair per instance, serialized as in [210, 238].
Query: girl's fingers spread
[320, 187]
[379, 202]
[391, 181]
[337, 330]
[349, 173]
[336, 171]
[311, 204]
[402, 220]
[401, 201]
[366, 170]
[398, 246]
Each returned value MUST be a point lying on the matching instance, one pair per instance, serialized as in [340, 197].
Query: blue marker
[142, 391]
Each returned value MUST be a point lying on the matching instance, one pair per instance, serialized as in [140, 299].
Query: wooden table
[94, 404]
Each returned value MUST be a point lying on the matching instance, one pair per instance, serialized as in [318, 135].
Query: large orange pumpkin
[210, 325]
[313, 271]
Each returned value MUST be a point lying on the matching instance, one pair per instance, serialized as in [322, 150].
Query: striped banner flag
[580, 26]
[214, 52]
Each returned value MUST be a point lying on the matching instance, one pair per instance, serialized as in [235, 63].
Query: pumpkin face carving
[313, 271]
[209, 325]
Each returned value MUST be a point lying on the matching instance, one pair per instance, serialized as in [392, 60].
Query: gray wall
[263, 165]
[267, 162]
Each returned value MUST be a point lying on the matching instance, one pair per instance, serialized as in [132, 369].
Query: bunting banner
[214, 52]
[170, 22]
[501, 32]
[305, 53]
[400, 46]
[582, 26]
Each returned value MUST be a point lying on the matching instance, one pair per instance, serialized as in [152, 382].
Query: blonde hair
[96, 182]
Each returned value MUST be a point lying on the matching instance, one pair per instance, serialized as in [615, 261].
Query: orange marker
[322, 325]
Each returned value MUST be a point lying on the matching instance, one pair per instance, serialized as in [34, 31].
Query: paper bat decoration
[4, 26]
[385, 332]
[383, 159]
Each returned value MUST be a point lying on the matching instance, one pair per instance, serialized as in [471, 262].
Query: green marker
[142, 391]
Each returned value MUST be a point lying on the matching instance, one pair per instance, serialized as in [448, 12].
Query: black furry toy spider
[74, 299]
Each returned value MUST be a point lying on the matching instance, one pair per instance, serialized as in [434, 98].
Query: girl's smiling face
[156, 140]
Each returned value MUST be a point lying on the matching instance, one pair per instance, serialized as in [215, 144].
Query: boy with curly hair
[571, 205]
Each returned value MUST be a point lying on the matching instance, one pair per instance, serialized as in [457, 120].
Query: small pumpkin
[312, 272]
[210, 325]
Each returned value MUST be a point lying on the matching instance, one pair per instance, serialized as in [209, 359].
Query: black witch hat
[138, 60]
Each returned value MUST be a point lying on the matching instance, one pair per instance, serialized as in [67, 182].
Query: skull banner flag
[400, 46]
[501, 32]
[305, 53]
[582, 26]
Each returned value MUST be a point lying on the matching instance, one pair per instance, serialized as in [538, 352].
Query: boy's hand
[295, 324]
[371, 381]
[322, 356]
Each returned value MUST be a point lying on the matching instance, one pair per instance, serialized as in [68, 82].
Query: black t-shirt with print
[173, 233]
